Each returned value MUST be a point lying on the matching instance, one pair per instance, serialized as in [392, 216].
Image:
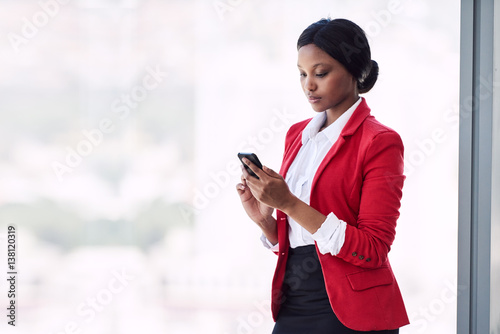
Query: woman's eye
[321, 75]
[302, 75]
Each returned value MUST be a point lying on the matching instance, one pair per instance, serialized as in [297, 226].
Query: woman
[337, 198]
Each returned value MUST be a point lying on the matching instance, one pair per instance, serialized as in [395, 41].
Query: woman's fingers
[270, 172]
[253, 167]
[265, 171]
[240, 187]
[243, 185]
[245, 175]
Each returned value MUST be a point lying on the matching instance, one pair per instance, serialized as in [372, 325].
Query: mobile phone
[253, 158]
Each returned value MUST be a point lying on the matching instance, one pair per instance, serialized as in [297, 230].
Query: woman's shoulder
[297, 128]
[373, 128]
[373, 133]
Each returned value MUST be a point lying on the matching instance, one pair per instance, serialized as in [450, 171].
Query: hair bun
[367, 83]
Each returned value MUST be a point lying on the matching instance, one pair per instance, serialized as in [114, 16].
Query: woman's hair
[346, 42]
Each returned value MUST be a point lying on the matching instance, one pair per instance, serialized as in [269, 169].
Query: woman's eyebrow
[314, 66]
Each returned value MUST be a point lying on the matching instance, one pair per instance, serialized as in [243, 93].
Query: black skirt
[306, 308]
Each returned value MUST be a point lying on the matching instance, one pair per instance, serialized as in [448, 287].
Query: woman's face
[325, 81]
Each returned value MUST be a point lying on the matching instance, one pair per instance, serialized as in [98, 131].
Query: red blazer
[360, 181]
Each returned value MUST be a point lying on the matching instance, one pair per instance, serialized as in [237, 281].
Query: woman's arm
[368, 243]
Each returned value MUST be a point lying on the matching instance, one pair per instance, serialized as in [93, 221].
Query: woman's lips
[313, 99]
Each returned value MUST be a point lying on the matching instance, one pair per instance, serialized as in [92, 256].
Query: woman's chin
[317, 108]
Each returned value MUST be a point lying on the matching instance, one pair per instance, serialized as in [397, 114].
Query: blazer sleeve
[369, 240]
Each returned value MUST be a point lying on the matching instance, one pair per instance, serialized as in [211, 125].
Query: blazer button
[354, 254]
[361, 257]
[368, 259]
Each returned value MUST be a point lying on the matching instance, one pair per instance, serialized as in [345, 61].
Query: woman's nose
[309, 85]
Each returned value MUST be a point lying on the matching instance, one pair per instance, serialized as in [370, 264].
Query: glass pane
[120, 121]
[495, 191]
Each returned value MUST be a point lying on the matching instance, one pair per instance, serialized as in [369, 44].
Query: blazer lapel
[357, 118]
[293, 150]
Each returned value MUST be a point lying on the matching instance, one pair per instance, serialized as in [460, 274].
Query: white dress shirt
[330, 235]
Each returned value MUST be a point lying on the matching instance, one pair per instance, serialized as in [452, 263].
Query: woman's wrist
[289, 204]
[305, 215]
[269, 229]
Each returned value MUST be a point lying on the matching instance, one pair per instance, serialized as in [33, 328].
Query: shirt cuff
[330, 236]
[268, 244]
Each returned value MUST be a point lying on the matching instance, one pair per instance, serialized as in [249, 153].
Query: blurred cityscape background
[120, 121]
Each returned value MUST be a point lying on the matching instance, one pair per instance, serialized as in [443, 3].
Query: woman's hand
[257, 211]
[269, 189]
[260, 196]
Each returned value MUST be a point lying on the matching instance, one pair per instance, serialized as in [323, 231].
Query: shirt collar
[332, 132]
